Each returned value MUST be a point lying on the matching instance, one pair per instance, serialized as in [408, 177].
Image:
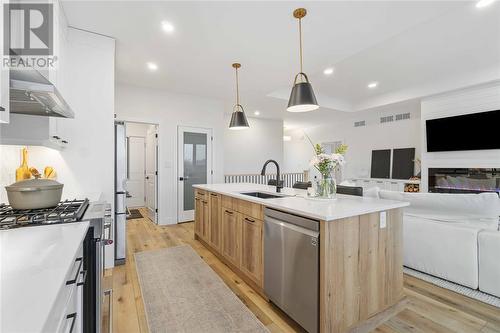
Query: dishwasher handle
[300, 221]
[291, 226]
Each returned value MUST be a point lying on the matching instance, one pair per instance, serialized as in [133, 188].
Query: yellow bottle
[23, 172]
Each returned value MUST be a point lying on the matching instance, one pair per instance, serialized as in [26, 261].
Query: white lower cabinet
[67, 313]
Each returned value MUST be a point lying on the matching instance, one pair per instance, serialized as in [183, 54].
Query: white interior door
[152, 173]
[135, 171]
[195, 166]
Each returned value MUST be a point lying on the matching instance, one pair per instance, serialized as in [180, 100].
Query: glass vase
[326, 187]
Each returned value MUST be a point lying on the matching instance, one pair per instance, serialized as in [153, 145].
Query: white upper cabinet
[50, 131]
[4, 79]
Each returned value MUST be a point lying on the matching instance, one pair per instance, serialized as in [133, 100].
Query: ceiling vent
[403, 116]
[359, 123]
[386, 119]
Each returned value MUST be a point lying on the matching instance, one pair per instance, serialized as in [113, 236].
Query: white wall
[361, 140]
[471, 100]
[170, 110]
[245, 151]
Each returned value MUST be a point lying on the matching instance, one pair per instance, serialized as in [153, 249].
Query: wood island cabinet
[233, 230]
[202, 221]
[198, 211]
[231, 234]
[252, 248]
[215, 222]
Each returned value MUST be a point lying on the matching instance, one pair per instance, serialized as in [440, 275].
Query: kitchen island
[360, 254]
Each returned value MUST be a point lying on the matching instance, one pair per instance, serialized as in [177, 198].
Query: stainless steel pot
[34, 193]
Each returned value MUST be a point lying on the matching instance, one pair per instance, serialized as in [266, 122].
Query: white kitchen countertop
[34, 263]
[297, 202]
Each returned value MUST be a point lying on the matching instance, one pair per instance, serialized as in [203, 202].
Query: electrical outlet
[383, 220]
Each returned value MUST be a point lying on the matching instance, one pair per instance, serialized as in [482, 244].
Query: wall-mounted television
[467, 132]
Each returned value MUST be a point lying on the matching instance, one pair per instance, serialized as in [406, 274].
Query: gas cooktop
[65, 212]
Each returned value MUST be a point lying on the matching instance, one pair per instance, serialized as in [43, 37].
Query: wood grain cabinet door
[215, 220]
[251, 248]
[205, 220]
[198, 215]
[231, 233]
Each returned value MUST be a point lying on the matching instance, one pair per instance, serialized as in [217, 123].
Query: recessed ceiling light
[167, 26]
[256, 113]
[287, 138]
[372, 85]
[152, 66]
[484, 3]
[328, 71]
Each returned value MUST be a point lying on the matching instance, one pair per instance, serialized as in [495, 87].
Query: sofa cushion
[489, 262]
[444, 250]
[371, 192]
[481, 210]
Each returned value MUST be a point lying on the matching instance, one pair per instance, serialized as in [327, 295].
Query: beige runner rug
[182, 293]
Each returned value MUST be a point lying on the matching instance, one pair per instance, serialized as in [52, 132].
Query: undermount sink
[263, 195]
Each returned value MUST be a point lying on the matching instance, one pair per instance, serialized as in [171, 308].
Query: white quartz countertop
[296, 201]
[34, 262]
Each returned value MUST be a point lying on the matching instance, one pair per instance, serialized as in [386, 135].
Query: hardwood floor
[429, 308]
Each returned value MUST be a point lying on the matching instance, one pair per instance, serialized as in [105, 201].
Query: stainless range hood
[32, 94]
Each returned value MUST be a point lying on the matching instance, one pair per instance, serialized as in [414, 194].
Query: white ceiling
[413, 48]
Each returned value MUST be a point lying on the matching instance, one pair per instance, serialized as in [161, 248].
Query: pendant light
[238, 118]
[302, 98]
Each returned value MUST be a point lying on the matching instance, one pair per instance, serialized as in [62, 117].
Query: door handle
[183, 178]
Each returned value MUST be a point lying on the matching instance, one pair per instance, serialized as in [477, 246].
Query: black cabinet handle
[213, 194]
[2, 108]
[55, 137]
[84, 278]
[77, 272]
[249, 220]
[229, 212]
[64, 141]
[73, 317]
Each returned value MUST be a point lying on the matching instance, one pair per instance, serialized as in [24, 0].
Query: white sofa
[453, 236]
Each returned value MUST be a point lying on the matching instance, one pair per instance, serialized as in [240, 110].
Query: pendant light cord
[300, 43]
[237, 89]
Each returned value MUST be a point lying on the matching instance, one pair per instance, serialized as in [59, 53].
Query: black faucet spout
[278, 182]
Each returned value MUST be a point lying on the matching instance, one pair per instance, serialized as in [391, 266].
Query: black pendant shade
[302, 98]
[238, 119]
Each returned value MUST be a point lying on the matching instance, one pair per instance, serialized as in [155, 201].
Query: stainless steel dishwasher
[291, 266]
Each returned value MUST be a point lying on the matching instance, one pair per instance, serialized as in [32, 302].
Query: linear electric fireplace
[454, 180]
